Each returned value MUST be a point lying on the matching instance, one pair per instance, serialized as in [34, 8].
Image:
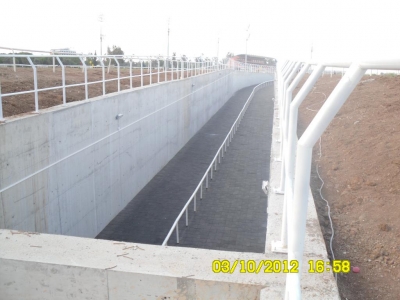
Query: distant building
[255, 59]
[63, 51]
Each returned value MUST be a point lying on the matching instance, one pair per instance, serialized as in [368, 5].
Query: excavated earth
[358, 158]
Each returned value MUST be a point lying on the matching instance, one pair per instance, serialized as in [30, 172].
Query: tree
[116, 51]
[174, 64]
[91, 61]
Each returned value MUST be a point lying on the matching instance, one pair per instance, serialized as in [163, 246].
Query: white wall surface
[83, 190]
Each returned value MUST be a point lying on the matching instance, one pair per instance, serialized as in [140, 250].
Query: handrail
[178, 69]
[296, 155]
[213, 164]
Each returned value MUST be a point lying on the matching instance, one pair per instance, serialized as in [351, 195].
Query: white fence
[171, 68]
[296, 155]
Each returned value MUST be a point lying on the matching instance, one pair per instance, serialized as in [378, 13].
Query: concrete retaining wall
[63, 267]
[83, 192]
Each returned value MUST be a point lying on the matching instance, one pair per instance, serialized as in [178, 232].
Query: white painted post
[297, 209]
[103, 71]
[141, 72]
[182, 69]
[14, 65]
[63, 80]
[1, 105]
[54, 63]
[150, 73]
[281, 246]
[158, 71]
[130, 73]
[285, 115]
[34, 84]
[118, 71]
[84, 67]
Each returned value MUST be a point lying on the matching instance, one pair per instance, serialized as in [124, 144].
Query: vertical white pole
[130, 73]
[14, 65]
[158, 71]
[297, 209]
[1, 105]
[141, 72]
[150, 71]
[34, 84]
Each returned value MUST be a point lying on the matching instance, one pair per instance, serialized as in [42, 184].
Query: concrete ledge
[43, 266]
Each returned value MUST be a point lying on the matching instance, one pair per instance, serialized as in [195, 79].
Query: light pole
[101, 20]
[168, 40]
[245, 59]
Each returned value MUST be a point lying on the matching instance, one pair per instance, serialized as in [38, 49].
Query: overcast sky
[337, 29]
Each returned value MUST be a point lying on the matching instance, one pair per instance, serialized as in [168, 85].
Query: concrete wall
[82, 192]
[43, 266]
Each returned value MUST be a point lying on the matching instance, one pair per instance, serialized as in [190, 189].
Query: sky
[284, 29]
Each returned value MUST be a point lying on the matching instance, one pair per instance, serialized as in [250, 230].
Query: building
[255, 59]
[63, 51]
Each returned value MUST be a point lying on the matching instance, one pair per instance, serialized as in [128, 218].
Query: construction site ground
[358, 158]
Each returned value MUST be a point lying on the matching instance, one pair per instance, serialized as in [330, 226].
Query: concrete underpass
[233, 212]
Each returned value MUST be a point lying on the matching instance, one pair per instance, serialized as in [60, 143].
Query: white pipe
[293, 85]
[297, 210]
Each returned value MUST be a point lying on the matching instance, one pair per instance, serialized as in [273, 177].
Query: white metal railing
[296, 155]
[172, 68]
[149, 68]
[213, 166]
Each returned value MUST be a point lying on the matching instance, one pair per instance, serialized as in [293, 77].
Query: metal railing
[171, 68]
[296, 155]
[213, 166]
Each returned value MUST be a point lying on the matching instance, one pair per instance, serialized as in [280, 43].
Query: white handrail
[185, 70]
[296, 156]
[213, 163]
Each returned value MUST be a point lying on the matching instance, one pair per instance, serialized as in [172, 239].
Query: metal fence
[212, 167]
[296, 155]
[172, 68]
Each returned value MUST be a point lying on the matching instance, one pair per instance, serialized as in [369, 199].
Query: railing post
[103, 72]
[130, 73]
[281, 246]
[62, 80]
[1, 105]
[14, 65]
[297, 208]
[182, 69]
[150, 72]
[34, 84]
[284, 109]
[165, 70]
[158, 71]
[118, 76]
[85, 70]
[141, 72]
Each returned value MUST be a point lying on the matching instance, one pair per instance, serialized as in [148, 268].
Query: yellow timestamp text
[279, 266]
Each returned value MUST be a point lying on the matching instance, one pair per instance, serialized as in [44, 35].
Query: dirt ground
[22, 80]
[360, 164]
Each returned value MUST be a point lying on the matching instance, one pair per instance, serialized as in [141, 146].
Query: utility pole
[245, 60]
[101, 20]
[168, 40]
[218, 50]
